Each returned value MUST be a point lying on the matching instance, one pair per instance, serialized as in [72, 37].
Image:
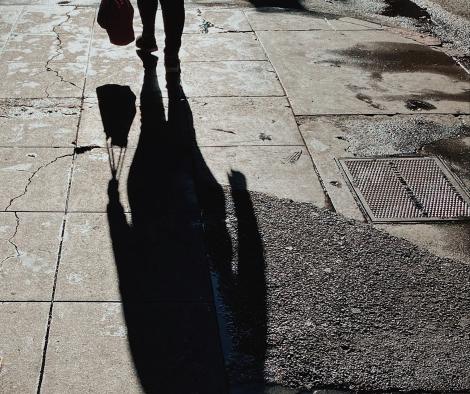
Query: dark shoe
[146, 43]
[149, 61]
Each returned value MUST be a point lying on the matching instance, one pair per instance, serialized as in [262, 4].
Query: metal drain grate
[406, 189]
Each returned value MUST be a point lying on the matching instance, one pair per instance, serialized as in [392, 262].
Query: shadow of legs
[163, 274]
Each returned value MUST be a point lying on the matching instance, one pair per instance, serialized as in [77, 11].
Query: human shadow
[164, 279]
[236, 256]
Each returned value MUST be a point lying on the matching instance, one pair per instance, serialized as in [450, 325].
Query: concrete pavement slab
[91, 132]
[218, 47]
[369, 71]
[174, 265]
[200, 79]
[46, 48]
[41, 19]
[8, 18]
[90, 180]
[39, 123]
[275, 19]
[213, 20]
[3, 40]
[87, 339]
[325, 146]
[285, 172]
[104, 71]
[36, 179]
[203, 20]
[22, 331]
[103, 50]
[195, 48]
[230, 79]
[38, 19]
[35, 80]
[87, 269]
[29, 245]
[237, 121]
[173, 347]
[361, 23]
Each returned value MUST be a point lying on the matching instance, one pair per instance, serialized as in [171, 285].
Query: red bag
[116, 17]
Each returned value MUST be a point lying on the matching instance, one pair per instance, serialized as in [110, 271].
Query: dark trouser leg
[173, 19]
[148, 12]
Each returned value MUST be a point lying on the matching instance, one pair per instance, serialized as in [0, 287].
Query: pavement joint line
[162, 302]
[253, 145]
[313, 30]
[134, 147]
[13, 27]
[24, 301]
[64, 223]
[165, 98]
[328, 202]
[390, 114]
[24, 211]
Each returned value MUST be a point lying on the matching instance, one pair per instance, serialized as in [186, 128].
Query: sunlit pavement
[276, 96]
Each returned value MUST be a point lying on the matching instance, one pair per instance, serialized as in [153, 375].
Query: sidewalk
[281, 279]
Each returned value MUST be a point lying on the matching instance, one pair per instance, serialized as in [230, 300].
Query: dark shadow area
[163, 275]
[393, 57]
[405, 8]
[292, 6]
[163, 256]
[235, 248]
[289, 4]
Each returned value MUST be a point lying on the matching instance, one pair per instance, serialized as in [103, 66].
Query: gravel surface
[396, 135]
[320, 300]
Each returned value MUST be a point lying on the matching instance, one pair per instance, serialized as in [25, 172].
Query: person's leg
[173, 19]
[148, 11]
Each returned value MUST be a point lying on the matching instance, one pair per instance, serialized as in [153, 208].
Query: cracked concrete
[59, 50]
[238, 64]
[28, 260]
[37, 178]
[30, 179]
[32, 80]
[10, 241]
[39, 123]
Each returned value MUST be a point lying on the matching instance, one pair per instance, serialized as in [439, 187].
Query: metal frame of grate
[406, 189]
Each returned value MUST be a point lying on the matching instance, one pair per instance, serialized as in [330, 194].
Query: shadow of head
[117, 108]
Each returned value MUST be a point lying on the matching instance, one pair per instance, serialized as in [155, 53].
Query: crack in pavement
[10, 240]
[30, 179]
[59, 51]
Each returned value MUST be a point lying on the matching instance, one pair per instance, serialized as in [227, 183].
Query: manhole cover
[406, 189]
